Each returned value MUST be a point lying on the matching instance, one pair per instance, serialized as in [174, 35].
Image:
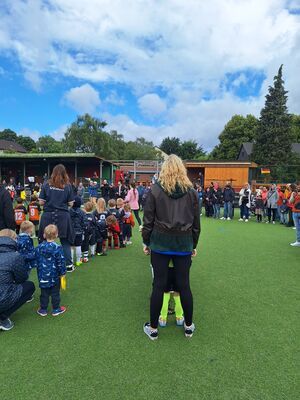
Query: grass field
[245, 282]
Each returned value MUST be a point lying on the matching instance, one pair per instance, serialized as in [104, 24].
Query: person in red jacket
[113, 231]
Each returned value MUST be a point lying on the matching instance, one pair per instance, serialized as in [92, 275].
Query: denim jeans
[296, 217]
[67, 251]
[244, 211]
[227, 209]
[216, 208]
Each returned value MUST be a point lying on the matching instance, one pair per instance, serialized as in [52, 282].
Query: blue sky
[148, 69]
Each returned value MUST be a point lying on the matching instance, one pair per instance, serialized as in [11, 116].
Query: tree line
[272, 135]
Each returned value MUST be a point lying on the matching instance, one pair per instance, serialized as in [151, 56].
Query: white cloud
[59, 133]
[83, 99]
[34, 134]
[115, 99]
[184, 47]
[151, 105]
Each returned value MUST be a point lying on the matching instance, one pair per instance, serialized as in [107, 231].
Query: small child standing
[20, 214]
[171, 288]
[78, 219]
[128, 224]
[120, 216]
[89, 239]
[101, 213]
[113, 231]
[51, 267]
[25, 245]
[34, 210]
[259, 207]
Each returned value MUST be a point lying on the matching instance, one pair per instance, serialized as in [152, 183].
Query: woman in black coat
[171, 232]
[56, 197]
[15, 290]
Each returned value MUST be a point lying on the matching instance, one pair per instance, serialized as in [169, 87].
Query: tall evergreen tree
[273, 144]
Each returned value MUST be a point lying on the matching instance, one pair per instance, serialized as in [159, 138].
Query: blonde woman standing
[170, 232]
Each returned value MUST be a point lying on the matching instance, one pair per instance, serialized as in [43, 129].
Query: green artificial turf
[245, 282]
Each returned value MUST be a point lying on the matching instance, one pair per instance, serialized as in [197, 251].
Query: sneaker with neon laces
[58, 311]
[78, 263]
[179, 321]
[42, 312]
[150, 332]
[189, 330]
[162, 322]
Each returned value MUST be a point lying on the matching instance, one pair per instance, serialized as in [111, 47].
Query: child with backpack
[78, 220]
[89, 239]
[101, 213]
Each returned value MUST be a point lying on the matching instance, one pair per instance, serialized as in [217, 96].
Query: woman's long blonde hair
[173, 174]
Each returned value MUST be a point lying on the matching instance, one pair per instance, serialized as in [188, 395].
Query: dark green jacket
[171, 222]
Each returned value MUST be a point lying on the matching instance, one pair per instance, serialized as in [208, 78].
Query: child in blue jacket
[79, 222]
[51, 267]
[25, 244]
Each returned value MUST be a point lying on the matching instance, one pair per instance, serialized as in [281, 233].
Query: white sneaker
[228, 219]
[273, 222]
[293, 227]
[189, 330]
[246, 220]
[222, 218]
[140, 228]
[241, 219]
[295, 244]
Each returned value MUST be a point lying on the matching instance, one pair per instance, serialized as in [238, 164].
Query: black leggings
[272, 213]
[160, 264]
[136, 214]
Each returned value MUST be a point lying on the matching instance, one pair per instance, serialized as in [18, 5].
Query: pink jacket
[133, 199]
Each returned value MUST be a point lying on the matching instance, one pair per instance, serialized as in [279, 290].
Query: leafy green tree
[87, 135]
[140, 149]
[27, 142]
[189, 150]
[273, 144]
[238, 130]
[8, 134]
[47, 144]
[295, 128]
[170, 145]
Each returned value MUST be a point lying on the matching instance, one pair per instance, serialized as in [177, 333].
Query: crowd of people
[269, 205]
[89, 221]
[57, 211]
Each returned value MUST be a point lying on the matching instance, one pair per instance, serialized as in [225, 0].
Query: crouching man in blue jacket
[15, 289]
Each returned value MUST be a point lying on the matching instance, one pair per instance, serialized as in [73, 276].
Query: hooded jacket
[171, 222]
[50, 264]
[12, 273]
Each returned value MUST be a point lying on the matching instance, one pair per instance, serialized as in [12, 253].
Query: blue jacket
[79, 221]
[93, 190]
[26, 249]
[50, 264]
[12, 273]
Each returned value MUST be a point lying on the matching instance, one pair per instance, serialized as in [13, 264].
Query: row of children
[93, 228]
